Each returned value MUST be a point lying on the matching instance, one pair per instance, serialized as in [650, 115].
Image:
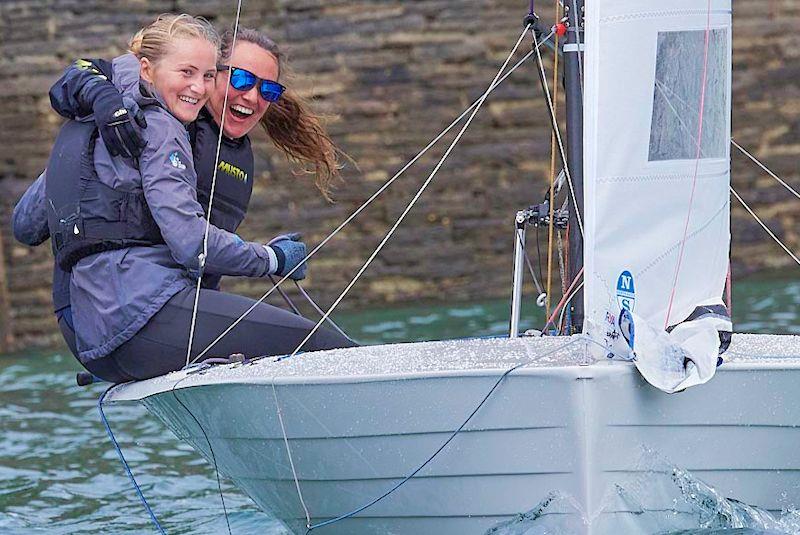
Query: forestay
[657, 203]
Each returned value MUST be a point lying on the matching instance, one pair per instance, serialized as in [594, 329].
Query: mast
[573, 78]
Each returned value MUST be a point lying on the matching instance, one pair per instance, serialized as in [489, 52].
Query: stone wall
[391, 74]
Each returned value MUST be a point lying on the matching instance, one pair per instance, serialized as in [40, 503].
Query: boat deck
[358, 421]
[447, 357]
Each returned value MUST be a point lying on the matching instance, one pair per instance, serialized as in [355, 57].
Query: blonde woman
[132, 285]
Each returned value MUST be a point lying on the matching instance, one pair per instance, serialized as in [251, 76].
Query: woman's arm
[29, 221]
[85, 88]
[169, 185]
[71, 95]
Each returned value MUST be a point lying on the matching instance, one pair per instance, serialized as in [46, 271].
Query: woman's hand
[290, 251]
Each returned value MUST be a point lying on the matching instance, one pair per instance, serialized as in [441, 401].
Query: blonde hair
[152, 41]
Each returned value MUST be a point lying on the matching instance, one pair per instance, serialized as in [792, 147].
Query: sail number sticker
[626, 294]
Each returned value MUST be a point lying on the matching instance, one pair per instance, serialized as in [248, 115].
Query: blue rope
[438, 451]
[125, 463]
[210, 449]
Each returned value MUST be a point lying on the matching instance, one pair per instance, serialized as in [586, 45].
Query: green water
[59, 474]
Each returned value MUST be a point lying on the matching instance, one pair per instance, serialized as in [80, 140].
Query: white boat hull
[358, 421]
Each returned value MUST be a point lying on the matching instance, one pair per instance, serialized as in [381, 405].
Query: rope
[539, 258]
[414, 199]
[578, 16]
[365, 204]
[446, 442]
[562, 268]
[556, 131]
[569, 293]
[311, 301]
[204, 254]
[319, 311]
[285, 297]
[529, 264]
[764, 167]
[377, 250]
[552, 172]
[127, 468]
[289, 452]
[565, 308]
[210, 449]
[696, 165]
[765, 227]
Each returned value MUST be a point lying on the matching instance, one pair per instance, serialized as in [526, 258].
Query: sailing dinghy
[484, 435]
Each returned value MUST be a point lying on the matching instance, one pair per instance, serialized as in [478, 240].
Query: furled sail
[657, 175]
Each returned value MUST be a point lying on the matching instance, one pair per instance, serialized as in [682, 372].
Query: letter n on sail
[657, 98]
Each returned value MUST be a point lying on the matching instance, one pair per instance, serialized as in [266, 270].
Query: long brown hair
[290, 123]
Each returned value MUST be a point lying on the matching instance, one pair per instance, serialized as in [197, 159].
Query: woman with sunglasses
[129, 350]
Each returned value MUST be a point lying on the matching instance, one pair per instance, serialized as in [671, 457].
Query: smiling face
[184, 77]
[245, 108]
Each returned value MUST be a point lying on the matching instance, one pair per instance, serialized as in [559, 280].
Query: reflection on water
[59, 474]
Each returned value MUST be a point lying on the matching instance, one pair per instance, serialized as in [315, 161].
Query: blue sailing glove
[115, 122]
[290, 251]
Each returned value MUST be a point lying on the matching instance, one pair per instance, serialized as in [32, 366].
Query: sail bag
[657, 98]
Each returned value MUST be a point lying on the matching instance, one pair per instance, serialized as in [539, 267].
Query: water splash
[557, 514]
[657, 498]
[665, 498]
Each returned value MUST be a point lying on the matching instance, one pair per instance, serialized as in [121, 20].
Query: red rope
[563, 300]
[696, 165]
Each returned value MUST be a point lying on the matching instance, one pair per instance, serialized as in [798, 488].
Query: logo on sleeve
[176, 162]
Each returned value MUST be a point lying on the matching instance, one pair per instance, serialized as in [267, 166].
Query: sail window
[677, 95]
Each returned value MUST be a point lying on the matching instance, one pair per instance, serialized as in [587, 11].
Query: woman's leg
[105, 367]
[160, 346]
[64, 317]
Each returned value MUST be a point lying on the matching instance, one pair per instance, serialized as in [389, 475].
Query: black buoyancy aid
[85, 216]
[234, 185]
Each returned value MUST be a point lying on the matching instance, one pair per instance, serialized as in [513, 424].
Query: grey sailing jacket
[113, 294]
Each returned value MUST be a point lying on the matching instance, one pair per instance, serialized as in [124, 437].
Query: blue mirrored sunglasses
[244, 80]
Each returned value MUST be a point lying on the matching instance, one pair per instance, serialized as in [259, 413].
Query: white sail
[657, 202]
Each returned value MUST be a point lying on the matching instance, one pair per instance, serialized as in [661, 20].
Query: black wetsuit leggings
[160, 346]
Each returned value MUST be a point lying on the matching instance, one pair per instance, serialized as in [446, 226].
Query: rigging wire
[124, 462]
[562, 262]
[204, 254]
[320, 312]
[416, 196]
[289, 452]
[446, 442]
[210, 449]
[285, 297]
[579, 44]
[377, 250]
[538, 260]
[569, 293]
[556, 131]
[764, 167]
[368, 201]
[529, 264]
[565, 307]
[552, 171]
[703, 81]
[765, 227]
